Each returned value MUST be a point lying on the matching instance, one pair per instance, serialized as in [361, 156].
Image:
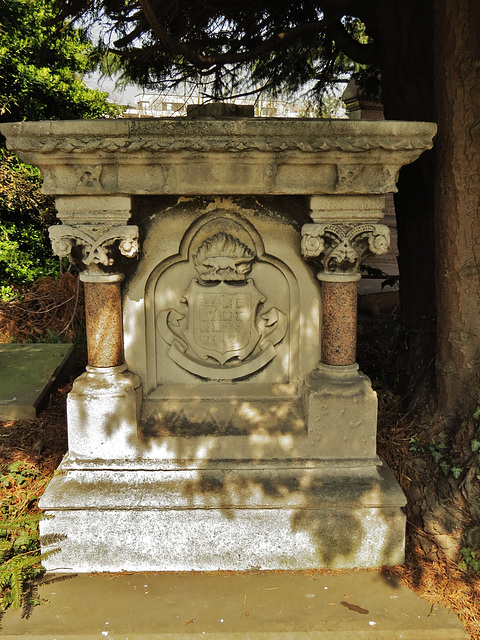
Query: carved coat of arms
[224, 333]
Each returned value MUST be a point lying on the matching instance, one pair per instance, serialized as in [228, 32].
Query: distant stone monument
[222, 422]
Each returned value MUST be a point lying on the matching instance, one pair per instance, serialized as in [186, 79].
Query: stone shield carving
[225, 329]
[222, 320]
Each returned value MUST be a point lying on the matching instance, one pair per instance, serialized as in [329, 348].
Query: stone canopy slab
[242, 156]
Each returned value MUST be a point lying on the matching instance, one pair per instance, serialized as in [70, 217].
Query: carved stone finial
[95, 250]
[223, 258]
[342, 247]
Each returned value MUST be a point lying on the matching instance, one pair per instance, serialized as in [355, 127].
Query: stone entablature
[244, 156]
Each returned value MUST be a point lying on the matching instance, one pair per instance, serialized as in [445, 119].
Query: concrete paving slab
[27, 375]
[355, 605]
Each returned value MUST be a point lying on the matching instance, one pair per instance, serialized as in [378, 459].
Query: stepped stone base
[222, 516]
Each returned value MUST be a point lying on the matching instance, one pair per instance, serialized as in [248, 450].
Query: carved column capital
[341, 248]
[96, 245]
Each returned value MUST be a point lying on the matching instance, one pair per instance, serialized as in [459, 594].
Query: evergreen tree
[42, 63]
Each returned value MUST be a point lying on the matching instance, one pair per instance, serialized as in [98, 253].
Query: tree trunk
[404, 33]
[440, 249]
[457, 87]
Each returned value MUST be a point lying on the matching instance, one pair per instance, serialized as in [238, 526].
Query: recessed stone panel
[231, 321]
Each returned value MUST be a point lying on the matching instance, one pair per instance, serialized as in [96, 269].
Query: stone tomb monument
[222, 422]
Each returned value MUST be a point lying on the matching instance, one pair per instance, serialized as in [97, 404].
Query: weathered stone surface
[240, 156]
[103, 409]
[350, 605]
[229, 445]
[341, 409]
[27, 374]
[224, 518]
[219, 110]
[254, 362]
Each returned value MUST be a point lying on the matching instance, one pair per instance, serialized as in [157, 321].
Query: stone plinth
[226, 515]
[238, 432]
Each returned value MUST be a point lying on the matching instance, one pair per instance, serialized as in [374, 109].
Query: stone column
[103, 406]
[103, 311]
[344, 231]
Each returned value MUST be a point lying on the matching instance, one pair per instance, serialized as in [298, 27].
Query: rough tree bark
[430, 56]
[457, 86]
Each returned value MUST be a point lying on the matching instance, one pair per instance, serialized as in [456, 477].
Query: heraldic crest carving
[226, 331]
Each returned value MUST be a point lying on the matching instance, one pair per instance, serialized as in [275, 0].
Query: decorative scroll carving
[217, 143]
[342, 247]
[95, 250]
[221, 334]
[346, 175]
[353, 177]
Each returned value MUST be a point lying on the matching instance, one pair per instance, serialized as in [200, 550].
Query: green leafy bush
[25, 215]
[42, 63]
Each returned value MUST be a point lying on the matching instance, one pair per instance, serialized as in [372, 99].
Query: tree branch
[361, 53]
[199, 60]
[267, 84]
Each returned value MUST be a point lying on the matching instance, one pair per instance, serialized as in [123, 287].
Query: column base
[103, 412]
[341, 412]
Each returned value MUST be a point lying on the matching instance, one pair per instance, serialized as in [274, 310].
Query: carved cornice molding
[178, 134]
[341, 248]
[241, 156]
[87, 145]
[95, 248]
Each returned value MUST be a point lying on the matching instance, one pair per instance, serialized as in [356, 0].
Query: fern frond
[17, 586]
[5, 548]
[5, 576]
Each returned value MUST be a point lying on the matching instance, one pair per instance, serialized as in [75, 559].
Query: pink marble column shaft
[339, 323]
[103, 310]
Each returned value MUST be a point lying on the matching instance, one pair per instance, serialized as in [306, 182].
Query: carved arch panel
[222, 310]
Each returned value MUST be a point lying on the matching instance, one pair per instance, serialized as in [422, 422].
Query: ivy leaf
[475, 564]
[445, 467]
[456, 470]
[437, 451]
[475, 445]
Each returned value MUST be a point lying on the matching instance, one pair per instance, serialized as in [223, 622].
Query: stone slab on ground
[27, 375]
[354, 605]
